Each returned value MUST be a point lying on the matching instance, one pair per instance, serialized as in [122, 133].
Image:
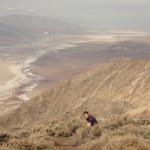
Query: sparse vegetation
[124, 126]
[74, 135]
[96, 131]
[4, 137]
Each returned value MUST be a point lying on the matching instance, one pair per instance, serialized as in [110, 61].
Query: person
[90, 119]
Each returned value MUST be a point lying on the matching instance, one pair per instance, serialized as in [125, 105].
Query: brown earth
[109, 89]
[116, 92]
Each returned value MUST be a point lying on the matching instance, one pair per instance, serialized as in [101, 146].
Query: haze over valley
[52, 50]
[56, 65]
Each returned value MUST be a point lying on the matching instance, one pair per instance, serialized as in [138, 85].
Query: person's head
[86, 114]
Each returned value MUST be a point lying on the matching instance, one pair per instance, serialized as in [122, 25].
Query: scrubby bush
[63, 132]
[83, 133]
[50, 132]
[117, 122]
[141, 131]
[126, 142]
[142, 122]
[146, 135]
[17, 144]
[43, 147]
[4, 137]
[63, 129]
[120, 134]
[96, 131]
[26, 147]
[74, 125]
[91, 145]
[37, 129]
[23, 134]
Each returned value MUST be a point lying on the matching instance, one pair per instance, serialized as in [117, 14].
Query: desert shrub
[117, 122]
[111, 126]
[141, 131]
[23, 134]
[91, 145]
[43, 147]
[50, 132]
[96, 131]
[142, 122]
[125, 143]
[56, 129]
[41, 142]
[43, 130]
[17, 144]
[146, 135]
[128, 142]
[4, 137]
[40, 128]
[26, 147]
[63, 132]
[74, 125]
[64, 129]
[83, 133]
[97, 146]
[36, 129]
[89, 132]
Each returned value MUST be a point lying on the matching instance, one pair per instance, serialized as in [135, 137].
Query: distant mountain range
[16, 29]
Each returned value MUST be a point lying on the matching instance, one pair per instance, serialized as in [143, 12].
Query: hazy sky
[122, 14]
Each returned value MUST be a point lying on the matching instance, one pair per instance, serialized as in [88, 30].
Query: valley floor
[6, 73]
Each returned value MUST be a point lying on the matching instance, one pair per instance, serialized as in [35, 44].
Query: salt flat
[5, 71]
[37, 66]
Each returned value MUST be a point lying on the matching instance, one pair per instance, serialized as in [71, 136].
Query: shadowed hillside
[117, 92]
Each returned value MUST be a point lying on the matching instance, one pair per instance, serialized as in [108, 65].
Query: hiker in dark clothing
[90, 119]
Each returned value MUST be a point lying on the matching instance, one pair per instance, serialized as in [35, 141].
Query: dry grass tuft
[74, 135]
[96, 131]
[126, 142]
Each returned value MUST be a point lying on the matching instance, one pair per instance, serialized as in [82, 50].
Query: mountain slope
[119, 87]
